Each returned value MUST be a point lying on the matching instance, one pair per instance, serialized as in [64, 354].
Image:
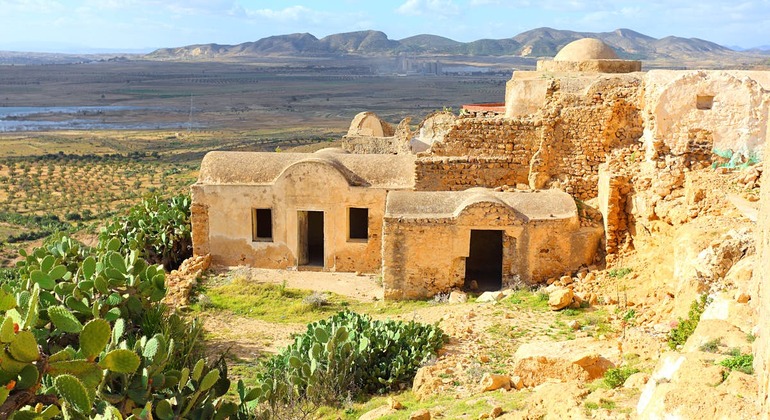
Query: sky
[145, 25]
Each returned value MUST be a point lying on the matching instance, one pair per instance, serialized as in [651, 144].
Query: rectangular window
[704, 101]
[261, 225]
[358, 223]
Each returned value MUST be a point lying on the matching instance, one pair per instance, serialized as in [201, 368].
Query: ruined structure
[586, 123]
[480, 240]
[370, 134]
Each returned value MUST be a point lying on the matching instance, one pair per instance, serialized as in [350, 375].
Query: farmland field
[73, 178]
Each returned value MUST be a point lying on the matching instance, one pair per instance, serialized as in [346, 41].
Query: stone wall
[461, 173]
[485, 136]
[582, 120]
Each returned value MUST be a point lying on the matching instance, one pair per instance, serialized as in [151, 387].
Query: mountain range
[536, 43]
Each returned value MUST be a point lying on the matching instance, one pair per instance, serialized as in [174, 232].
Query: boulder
[489, 297]
[426, 382]
[582, 360]
[420, 415]
[458, 296]
[560, 299]
[690, 386]
[492, 382]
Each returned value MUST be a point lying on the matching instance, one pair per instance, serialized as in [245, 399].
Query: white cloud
[31, 6]
[440, 8]
[293, 13]
[475, 3]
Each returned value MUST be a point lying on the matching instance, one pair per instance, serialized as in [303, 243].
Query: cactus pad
[24, 347]
[63, 319]
[74, 392]
[94, 337]
[121, 361]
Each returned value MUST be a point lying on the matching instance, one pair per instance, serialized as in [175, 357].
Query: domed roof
[586, 49]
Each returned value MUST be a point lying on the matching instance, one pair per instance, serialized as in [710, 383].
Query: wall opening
[484, 264]
[261, 225]
[358, 223]
[704, 101]
[311, 238]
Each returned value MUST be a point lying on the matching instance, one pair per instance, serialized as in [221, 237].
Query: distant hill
[541, 42]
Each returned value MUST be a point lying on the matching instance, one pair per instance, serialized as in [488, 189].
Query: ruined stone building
[491, 196]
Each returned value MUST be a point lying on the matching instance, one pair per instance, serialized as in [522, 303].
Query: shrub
[345, 355]
[157, 229]
[616, 377]
[711, 346]
[619, 273]
[679, 335]
[741, 362]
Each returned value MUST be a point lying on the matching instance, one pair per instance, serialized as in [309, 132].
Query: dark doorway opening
[484, 264]
[311, 238]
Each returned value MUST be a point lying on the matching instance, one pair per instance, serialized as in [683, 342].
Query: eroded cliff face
[762, 278]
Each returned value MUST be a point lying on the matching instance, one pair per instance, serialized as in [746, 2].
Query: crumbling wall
[463, 172]
[562, 145]
[368, 134]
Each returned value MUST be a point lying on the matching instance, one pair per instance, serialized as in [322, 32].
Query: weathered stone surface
[457, 296]
[560, 299]
[426, 382]
[636, 381]
[492, 382]
[420, 415]
[690, 386]
[488, 297]
[580, 359]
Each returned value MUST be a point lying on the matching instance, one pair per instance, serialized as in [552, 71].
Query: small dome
[586, 49]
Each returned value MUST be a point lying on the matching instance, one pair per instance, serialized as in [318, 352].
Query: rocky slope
[541, 42]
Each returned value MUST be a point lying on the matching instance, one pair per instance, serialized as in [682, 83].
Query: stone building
[279, 210]
[478, 239]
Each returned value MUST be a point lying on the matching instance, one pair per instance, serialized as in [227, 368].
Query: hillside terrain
[536, 43]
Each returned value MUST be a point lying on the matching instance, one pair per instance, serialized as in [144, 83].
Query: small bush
[316, 300]
[616, 377]
[345, 355]
[711, 346]
[742, 363]
[619, 273]
[679, 335]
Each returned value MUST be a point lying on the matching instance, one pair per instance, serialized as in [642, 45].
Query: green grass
[269, 302]
[619, 273]
[616, 377]
[276, 303]
[528, 299]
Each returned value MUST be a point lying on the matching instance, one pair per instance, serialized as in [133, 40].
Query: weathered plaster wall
[589, 66]
[307, 186]
[426, 254]
[729, 107]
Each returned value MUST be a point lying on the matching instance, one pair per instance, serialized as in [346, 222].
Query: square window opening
[704, 101]
[262, 225]
[358, 223]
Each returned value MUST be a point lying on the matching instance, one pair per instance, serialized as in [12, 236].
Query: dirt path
[362, 287]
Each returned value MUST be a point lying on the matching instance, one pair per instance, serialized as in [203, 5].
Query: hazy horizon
[85, 26]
